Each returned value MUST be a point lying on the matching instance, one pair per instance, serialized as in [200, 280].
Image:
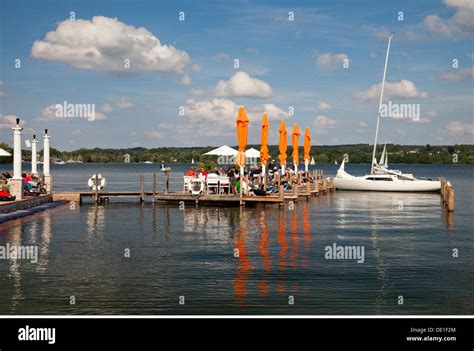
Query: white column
[263, 170]
[306, 164]
[17, 150]
[34, 163]
[282, 169]
[296, 168]
[46, 158]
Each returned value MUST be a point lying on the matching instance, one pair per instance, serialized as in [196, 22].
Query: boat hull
[362, 184]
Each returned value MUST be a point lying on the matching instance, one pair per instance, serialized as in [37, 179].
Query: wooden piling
[167, 182]
[450, 199]
[331, 185]
[96, 195]
[142, 188]
[154, 186]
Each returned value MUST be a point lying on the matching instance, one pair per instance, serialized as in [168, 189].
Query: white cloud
[323, 123]
[381, 33]
[196, 92]
[402, 89]
[460, 23]
[324, 106]
[331, 61]
[103, 43]
[241, 84]
[274, 113]
[425, 118]
[185, 80]
[216, 118]
[222, 56]
[458, 74]
[155, 134]
[459, 128]
[9, 121]
[48, 114]
[219, 111]
[124, 103]
[196, 68]
[106, 108]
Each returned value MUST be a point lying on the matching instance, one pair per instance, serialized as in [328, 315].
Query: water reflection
[244, 266]
[95, 220]
[45, 241]
[15, 240]
[265, 253]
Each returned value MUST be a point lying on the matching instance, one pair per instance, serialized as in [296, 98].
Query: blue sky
[188, 66]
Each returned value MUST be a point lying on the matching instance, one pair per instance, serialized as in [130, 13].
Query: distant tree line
[357, 153]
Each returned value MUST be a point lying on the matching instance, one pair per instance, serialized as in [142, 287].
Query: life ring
[92, 183]
[196, 186]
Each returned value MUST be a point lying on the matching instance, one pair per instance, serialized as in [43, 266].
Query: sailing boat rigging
[381, 178]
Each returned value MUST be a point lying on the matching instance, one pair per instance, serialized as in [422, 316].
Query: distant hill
[357, 153]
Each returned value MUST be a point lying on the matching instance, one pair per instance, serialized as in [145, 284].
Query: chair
[187, 183]
[224, 182]
[212, 181]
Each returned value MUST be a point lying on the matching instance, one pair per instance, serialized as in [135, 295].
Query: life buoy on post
[101, 182]
[197, 187]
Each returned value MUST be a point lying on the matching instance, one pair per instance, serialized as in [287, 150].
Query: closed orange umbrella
[307, 145]
[283, 145]
[295, 134]
[242, 131]
[264, 140]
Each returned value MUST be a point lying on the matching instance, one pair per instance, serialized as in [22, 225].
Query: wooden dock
[306, 190]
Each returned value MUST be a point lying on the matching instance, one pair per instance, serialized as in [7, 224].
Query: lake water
[188, 254]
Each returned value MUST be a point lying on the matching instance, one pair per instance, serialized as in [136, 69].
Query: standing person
[232, 183]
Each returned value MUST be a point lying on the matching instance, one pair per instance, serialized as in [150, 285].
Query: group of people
[31, 186]
[252, 176]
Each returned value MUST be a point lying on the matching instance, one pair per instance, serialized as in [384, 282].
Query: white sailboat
[312, 163]
[381, 178]
[192, 161]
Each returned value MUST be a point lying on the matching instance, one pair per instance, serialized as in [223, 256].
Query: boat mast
[380, 104]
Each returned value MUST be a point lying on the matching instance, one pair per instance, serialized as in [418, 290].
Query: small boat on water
[312, 163]
[192, 161]
[148, 162]
[335, 162]
[381, 178]
[165, 169]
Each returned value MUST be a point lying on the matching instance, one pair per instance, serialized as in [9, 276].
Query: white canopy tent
[252, 153]
[4, 153]
[222, 151]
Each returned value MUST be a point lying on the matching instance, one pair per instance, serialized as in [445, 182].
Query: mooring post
[142, 188]
[96, 182]
[154, 186]
[450, 201]
[167, 182]
[295, 184]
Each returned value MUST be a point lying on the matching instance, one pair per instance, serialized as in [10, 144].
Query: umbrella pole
[264, 177]
[241, 182]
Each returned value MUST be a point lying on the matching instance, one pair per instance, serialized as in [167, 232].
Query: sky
[174, 73]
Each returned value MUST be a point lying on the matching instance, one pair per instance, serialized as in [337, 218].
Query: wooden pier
[299, 190]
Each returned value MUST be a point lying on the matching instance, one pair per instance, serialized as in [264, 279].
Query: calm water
[407, 238]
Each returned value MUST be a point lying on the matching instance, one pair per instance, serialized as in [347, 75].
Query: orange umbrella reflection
[283, 249]
[263, 248]
[243, 270]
